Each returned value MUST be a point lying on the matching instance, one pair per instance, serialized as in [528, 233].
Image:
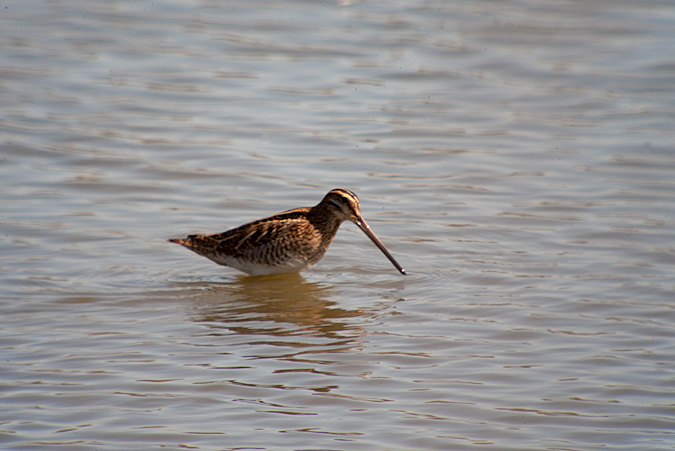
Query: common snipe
[287, 242]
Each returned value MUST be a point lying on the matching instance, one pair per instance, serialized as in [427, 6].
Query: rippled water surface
[516, 157]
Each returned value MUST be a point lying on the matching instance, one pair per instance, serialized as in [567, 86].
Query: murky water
[516, 157]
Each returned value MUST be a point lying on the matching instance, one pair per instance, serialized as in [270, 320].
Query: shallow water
[515, 157]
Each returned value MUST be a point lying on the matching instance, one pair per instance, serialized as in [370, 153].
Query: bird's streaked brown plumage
[287, 242]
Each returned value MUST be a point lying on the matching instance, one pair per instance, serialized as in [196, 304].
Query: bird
[285, 243]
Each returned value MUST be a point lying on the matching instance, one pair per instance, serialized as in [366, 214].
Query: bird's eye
[344, 200]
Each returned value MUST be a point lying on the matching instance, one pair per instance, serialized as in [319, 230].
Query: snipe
[287, 242]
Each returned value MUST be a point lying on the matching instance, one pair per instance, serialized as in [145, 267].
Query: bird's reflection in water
[281, 310]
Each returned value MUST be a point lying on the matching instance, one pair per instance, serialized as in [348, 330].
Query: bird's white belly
[287, 266]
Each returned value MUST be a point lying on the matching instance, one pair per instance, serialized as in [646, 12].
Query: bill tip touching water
[288, 242]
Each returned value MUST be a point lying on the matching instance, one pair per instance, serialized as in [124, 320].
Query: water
[515, 157]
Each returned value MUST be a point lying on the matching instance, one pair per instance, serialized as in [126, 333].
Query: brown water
[516, 157]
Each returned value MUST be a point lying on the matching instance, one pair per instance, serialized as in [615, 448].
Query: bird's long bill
[366, 229]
